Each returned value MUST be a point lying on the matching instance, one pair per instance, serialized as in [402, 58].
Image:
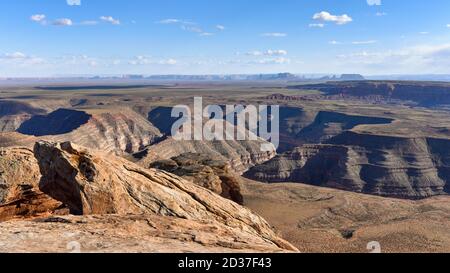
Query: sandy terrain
[325, 220]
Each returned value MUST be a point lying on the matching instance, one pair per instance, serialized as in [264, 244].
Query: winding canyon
[79, 159]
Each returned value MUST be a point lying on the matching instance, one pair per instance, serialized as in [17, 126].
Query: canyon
[411, 168]
[426, 94]
[357, 162]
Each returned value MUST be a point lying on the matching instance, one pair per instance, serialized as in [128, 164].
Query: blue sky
[372, 37]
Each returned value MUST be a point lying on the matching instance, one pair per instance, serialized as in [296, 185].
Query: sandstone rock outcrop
[95, 183]
[127, 234]
[381, 165]
[14, 139]
[20, 195]
[215, 175]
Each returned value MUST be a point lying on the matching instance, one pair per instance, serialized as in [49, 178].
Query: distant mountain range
[232, 77]
[279, 77]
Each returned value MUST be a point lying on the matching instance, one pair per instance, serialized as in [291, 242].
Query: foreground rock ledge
[127, 234]
[153, 207]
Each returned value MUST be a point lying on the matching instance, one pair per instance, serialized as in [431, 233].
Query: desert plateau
[224, 136]
[98, 166]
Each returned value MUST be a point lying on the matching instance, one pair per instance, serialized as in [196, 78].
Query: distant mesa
[164, 81]
[344, 77]
[352, 77]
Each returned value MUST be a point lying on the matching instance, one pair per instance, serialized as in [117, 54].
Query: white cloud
[110, 19]
[416, 59]
[38, 17]
[328, 17]
[381, 14]
[20, 58]
[334, 42]
[374, 2]
[147, 60]
[255, 53]
[280, 60]
[320, 25]
[170, 21]
[365, 42]
[448, 25]
[168, 62]
[192, 28]
[62, 22]
[140, 60]
[15, 55]
[424, 33]
[279, 52]
[195, 29]
[41, 18]
[76, 60]
[274, 34]
[262, 61]
[270, 52]
[73, 2]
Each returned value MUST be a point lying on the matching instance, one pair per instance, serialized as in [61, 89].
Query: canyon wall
[119, 131]
[14, 113]
[426, 94]
[382, 165]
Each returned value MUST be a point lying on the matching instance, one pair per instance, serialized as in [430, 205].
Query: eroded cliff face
[14, 113]
[381, 165]
[20, 195]
[215, 175]
[240, 154]
[327, 125]
[300, 126]
[117, 131]
[167, 208]
[426, 94]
